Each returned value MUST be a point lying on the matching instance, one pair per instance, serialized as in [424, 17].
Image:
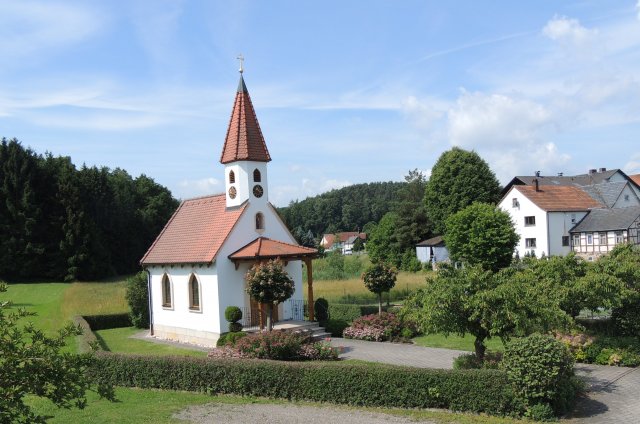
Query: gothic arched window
[232, 177]
[194, 293]
[166, 291]
[256, 176]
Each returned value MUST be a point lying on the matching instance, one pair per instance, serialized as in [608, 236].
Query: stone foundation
[186, 335]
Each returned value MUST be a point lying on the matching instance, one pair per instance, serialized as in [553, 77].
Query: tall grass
[95, 298]
[353, 290]
[338, 267]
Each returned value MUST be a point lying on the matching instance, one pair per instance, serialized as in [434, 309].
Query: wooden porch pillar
[308, 263]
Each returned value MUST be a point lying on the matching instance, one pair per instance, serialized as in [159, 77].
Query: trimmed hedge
[485, 391]
[104, 322]
[87, 338]
[349, 312]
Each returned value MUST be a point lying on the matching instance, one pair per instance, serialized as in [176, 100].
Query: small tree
[482, 303]
[269, 284]
[379, 278]
[138, 298]
[481, 234]
[32, 363]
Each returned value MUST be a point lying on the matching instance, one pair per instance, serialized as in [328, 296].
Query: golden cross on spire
[241, 59]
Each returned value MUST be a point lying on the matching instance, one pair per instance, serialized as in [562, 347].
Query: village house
[546, 211]
[432, 251]
[343, 241]
[197, 264]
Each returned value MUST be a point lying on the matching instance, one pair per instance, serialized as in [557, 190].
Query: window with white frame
[576, 239]
[529, 221]
[530, 242]
[619, 237]
[603, 239]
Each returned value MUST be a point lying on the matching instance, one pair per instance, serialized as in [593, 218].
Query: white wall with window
[530, 222]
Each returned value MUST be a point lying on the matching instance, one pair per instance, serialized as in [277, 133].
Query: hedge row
[485, 391]
[87, 339]
[104, 322]
[349, 312]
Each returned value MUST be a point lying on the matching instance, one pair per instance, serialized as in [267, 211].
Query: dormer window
[256, 176]
[259, 221]
[232, 177]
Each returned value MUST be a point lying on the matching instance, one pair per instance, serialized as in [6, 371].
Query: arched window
[256, 176]
[166, 291]
[194, 293]
[232, 177]
[259, 221]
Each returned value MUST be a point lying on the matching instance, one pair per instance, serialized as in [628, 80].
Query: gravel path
[283, 414]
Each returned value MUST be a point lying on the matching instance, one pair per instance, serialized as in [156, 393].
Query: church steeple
[244, 139]
[245, 153]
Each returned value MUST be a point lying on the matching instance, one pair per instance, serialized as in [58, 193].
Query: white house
[343, 242]
[544, 214]
[432, 251]
[196, 266]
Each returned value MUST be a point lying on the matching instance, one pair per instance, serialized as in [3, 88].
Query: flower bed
[615, 351]
[279, 345]
[378, 328]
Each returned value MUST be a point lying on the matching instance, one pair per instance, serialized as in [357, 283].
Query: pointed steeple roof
[244, 139]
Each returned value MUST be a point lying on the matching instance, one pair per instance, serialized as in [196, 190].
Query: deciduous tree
[458, 179]
[379, 278]
[481, 234]
[268, 283]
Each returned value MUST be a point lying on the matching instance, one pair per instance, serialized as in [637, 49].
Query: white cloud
[479, 119]
[510, 133]
[193, 188]
[633, 166]
[638, 10]
[29, 26]
[564, 29]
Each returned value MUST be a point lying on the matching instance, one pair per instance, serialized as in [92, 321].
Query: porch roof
[264, 248]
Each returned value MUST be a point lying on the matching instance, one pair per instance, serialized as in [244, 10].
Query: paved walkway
[613, 393]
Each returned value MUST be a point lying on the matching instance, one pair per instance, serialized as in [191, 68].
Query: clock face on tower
[258, 191]
[232, 192]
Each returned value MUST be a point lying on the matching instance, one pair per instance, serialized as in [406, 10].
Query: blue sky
[345, 92]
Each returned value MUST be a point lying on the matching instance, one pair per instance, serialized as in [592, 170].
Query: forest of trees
[347, 209]
[60, 222]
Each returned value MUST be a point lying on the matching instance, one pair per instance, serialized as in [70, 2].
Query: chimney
[560, 174]
[592, 171]
[537, 173]
[537, 184]
[603, 170]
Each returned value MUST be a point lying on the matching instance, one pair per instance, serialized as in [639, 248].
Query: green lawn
[118, 340]
[456, 342]
[157, 406]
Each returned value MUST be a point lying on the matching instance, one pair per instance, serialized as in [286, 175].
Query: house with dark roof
[546, 209]
[196, 265]
[432, 251]
[602, 229]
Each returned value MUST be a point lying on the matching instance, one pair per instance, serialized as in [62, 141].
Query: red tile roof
[195, 232]
[635, 178]
[559, 198]
[265, 248]
[244, 139]
[330, 238]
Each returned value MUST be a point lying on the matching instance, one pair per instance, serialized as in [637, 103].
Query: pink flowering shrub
[375, 327]
[278, 345]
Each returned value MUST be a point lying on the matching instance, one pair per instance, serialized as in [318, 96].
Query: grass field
[456, 342]
[118, 340]
[354, 291]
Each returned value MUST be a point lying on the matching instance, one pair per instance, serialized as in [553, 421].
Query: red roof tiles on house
[244, 139]
[559, 198]
[265, 248]
[195, 232]
[635, 178]
[344, 236]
